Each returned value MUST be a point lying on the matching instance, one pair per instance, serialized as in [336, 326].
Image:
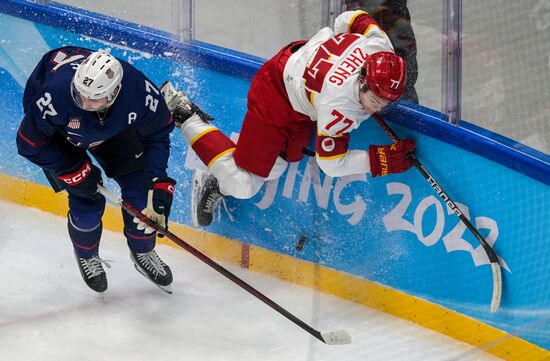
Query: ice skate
[179, 104]
[205, 198]
[151, 266]
[93, 273]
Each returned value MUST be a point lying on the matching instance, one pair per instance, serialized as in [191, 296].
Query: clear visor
[88, 104]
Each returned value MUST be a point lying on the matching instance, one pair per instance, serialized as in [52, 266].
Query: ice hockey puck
[300, 243]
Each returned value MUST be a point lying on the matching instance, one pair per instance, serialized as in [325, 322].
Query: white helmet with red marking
[98, 76]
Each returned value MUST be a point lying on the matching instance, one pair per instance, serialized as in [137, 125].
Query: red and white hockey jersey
[322, 81]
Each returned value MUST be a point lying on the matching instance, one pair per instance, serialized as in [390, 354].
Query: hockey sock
[85, 239]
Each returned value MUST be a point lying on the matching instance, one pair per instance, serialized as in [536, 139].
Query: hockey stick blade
[329, 338]
[340, 337]
[493, 258]
[497, 287]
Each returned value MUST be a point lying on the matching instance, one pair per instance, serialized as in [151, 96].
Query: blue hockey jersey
[51, 115]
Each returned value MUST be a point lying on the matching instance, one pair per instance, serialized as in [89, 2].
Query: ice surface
[48, 313]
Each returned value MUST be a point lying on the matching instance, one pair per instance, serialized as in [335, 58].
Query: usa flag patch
[74, 123]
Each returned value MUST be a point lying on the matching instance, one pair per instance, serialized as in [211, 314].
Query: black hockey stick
[339, 337]
[497, 274]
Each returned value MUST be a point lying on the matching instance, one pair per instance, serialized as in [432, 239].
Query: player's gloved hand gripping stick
[339, 337]
[497, 275]
[390, 159]
[159, 203]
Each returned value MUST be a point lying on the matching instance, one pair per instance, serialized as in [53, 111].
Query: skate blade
[167, 289]
[197, 174]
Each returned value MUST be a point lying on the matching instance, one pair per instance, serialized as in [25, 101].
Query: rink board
[389, 243]
[353, 288]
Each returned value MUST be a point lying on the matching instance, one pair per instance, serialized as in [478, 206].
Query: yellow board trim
[346, 286]
[39, 196]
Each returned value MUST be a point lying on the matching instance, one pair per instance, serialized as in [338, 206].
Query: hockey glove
[386, 159]
[83, 181]
[159, 202]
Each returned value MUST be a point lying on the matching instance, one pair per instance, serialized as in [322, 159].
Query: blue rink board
[393, 230]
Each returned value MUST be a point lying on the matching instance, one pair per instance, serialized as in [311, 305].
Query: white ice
[48, 313]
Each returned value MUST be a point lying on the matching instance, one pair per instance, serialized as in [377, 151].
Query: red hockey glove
[386, 159]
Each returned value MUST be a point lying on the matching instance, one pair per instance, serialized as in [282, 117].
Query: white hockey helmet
[98, 76]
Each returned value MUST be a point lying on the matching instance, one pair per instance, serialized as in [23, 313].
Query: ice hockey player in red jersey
[325, 86]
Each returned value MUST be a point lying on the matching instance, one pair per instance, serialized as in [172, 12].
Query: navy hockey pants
[84, 218]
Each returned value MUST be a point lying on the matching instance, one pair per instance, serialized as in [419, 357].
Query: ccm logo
[77, 177]
[166, 186]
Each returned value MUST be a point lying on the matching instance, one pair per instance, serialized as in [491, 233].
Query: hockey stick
[339, 337]
[497, 274]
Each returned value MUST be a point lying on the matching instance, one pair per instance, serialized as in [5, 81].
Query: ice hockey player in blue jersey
[78, 103]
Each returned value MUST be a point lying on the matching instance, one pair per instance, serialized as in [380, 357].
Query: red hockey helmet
[385, 74]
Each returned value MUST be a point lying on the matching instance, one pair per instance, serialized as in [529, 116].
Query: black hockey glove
[159, 202]
[83, 180]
